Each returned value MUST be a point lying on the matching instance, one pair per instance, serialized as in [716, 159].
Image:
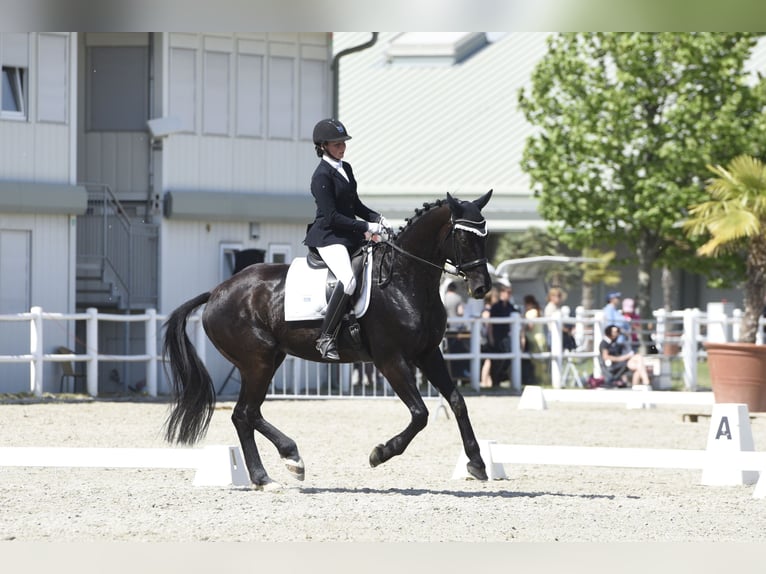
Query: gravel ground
[411, 498]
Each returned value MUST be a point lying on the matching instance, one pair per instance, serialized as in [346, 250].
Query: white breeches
[337, 259]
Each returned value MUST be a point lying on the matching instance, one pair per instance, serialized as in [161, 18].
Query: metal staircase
[117, 255]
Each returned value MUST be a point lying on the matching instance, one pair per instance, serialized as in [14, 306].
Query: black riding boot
[336, 307]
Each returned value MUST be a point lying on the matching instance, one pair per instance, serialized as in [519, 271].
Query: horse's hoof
[376, 456]
[295, 467]
[268, 486]
[478, 472]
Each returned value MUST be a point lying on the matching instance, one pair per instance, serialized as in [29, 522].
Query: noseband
[458, 268]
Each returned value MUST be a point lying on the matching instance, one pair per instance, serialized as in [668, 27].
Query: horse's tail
[193, 391]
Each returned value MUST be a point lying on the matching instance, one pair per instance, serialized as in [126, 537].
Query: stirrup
[326, 346]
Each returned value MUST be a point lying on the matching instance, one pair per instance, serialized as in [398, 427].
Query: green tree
[624, 126]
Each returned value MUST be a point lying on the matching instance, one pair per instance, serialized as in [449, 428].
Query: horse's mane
[419, 212]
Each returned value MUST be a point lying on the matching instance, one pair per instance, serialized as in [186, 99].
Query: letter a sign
[729, 432]
[724, 430]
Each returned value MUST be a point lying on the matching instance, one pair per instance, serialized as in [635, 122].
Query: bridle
[458, 268]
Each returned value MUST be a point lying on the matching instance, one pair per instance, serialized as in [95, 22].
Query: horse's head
[467, 244]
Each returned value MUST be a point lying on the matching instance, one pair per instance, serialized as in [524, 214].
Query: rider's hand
[385, 224]
[374, 229]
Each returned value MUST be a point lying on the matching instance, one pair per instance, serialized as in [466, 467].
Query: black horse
[401, 330]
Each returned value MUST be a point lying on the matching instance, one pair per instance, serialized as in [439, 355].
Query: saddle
[310, 283]
[358, 258]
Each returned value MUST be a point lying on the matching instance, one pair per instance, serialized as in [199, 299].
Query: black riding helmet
[330, 130]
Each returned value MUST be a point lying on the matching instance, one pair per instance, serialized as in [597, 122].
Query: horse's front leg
[435, 369]
[401, 377]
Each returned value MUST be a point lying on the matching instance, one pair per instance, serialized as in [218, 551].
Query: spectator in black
[618, 359]
[500, 334]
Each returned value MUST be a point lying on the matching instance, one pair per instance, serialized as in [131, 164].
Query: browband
[477, 227]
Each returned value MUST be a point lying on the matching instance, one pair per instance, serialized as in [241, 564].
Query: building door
[15, 297]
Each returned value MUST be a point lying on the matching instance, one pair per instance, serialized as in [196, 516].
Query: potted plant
[733, 219]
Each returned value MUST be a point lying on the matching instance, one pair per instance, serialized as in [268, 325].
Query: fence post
[736, 322]
[598, 336]
[555, 327]
[475, 353]
[516, 351]
[36, 350]
[91, 343]
[689, 348]
[151, 350]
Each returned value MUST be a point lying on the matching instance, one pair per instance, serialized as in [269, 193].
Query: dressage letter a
[723, 429]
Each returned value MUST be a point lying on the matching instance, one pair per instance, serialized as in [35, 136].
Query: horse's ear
[483, 200]
[454, 205]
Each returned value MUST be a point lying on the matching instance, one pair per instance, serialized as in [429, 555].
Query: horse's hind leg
[435, 370]
[247, 418]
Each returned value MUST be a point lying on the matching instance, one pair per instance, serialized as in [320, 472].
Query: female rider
[336, 231]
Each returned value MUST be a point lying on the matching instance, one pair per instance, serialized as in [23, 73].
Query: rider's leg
[339, 262]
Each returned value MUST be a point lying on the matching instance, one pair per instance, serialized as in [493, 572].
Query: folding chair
[571, 371]
[68, 370]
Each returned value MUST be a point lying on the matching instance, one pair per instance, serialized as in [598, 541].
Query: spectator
[489, 299]
[555, 299]
[500, 334]
[618, 359]
[454, 305]
[535, 371]
[613, 315]
[629, 312]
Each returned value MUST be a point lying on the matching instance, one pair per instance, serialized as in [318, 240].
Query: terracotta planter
[738, 373]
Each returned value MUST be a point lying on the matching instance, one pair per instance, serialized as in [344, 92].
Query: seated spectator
[618, 358]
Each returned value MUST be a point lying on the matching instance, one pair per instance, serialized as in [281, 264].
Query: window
[249, 98]
[183, 82]
[118, 88]
[312, 95]
[281, 96]
[215, 114]
[52, 78]
[228, 259]
[279, 253]
[14, 98]
[14, 57]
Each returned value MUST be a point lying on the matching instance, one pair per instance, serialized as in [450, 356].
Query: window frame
[19, 83]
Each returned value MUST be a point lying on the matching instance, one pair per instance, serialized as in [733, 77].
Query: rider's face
[336, 149]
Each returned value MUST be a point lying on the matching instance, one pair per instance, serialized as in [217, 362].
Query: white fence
[678, 335]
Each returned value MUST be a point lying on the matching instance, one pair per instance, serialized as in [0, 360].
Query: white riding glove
[377, 229]
[384, 222]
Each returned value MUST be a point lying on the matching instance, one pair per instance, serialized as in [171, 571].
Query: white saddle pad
[305, 289]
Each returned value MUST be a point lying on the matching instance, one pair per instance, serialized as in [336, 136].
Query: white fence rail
[678, 335]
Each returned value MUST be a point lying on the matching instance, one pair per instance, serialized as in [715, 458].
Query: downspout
[335, 67]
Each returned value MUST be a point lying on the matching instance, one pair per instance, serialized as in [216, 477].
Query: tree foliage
[625, 124]
[732, 219]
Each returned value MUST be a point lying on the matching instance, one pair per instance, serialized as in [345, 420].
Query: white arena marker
[495, 470]
[532, 399]
[221, 465]
[215, 465]
[729, 432]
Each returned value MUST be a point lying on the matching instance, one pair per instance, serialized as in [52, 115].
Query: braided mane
[419, 213]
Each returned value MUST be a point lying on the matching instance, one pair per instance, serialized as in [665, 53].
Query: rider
[335, 231]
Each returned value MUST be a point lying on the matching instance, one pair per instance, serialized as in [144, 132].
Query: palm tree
[734, 218]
